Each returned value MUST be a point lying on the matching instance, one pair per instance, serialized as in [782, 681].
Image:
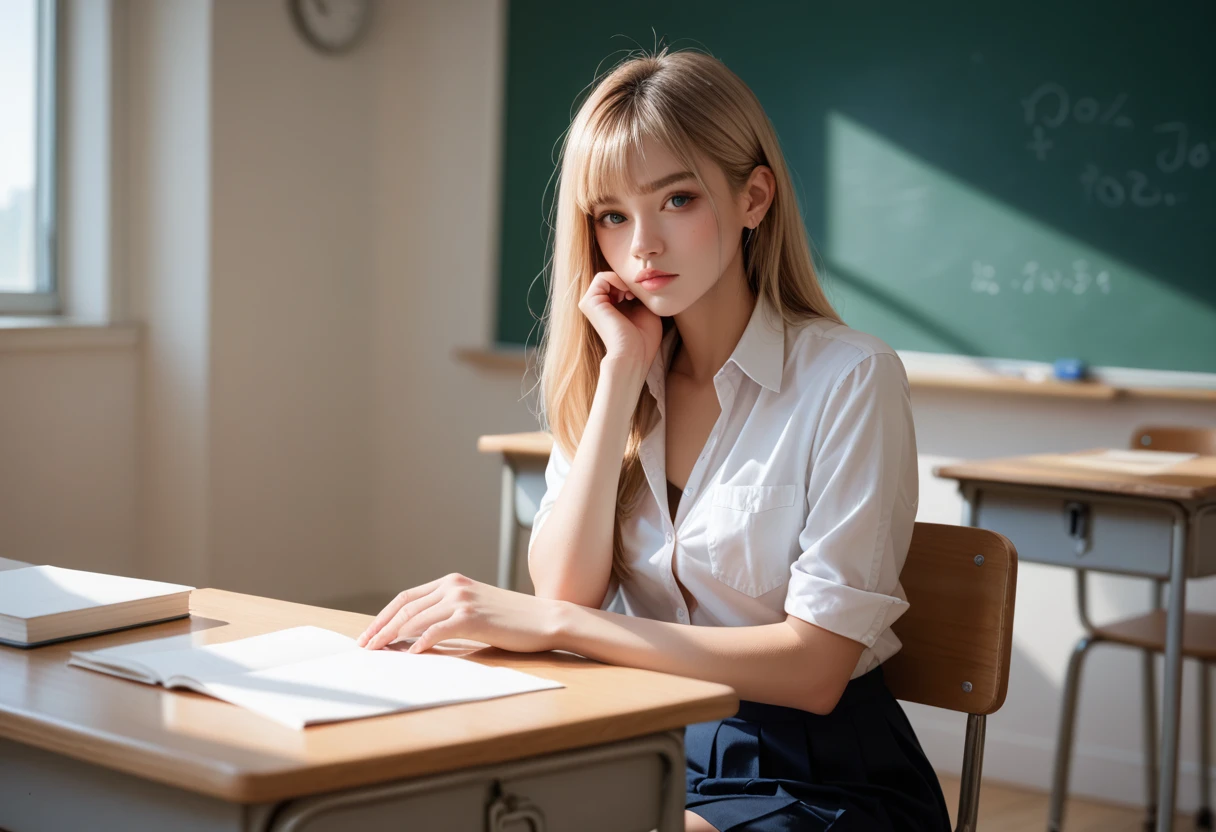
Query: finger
[595, 301]
[392, 629]
[610, 284]
[429, 617]
[414, 617]
[449, 628]
[618, 283]
[393, 607]
[600, 288]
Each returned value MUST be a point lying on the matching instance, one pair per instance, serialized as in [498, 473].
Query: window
[28, 282]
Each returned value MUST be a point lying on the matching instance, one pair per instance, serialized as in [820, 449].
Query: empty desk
[1067, 510]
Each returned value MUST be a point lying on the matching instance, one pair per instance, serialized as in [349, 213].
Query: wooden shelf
[496, 358]
[517, 359]
[994, 383]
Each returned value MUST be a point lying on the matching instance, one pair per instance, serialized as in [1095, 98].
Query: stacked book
[45, 604]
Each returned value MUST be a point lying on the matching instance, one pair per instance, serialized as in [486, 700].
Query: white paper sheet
[247, 655]
[1130, 461]
[361, 683]
[306, 675]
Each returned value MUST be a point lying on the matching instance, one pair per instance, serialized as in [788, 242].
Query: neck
[711, 327]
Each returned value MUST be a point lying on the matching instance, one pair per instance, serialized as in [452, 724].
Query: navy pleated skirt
[771, 768]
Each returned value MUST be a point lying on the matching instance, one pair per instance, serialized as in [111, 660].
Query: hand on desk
[458, 607]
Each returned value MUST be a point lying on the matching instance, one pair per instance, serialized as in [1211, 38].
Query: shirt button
[680, 614]
[669, 537]
[687, 491]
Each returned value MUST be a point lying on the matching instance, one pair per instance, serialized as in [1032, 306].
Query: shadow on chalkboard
[899, 308]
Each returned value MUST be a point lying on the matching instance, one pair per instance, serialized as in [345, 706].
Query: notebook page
[246, 655]
[361, 683]
[126, 660]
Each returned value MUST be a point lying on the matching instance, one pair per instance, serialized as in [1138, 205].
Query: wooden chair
[1147, 633]
[957, 635]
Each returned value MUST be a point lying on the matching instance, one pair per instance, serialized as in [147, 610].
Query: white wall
[309, 240]
[436, 262]
[294, 160]
[165, 75]
[68, 439]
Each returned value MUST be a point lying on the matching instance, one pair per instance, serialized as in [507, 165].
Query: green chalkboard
[1023, 180]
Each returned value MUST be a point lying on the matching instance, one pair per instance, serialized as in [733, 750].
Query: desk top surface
[528, 444]
[1191, 480]
[204, 745]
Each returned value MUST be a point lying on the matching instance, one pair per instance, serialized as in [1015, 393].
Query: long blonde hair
[688, 102]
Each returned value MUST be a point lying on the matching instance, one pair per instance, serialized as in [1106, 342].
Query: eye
[606, 217]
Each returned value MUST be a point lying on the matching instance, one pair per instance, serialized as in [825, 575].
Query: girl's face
[667, 224]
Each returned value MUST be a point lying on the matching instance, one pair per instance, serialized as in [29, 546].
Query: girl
[761, 454]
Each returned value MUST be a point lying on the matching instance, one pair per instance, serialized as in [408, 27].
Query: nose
[647, 242]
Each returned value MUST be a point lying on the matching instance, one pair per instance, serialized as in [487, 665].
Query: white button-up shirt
[801, 502]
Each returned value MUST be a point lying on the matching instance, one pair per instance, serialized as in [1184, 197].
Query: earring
[748, 233]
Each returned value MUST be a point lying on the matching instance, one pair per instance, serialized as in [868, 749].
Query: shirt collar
[760, 352]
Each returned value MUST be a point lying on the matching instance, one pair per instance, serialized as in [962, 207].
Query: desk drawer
[1111, 537]
[617, 788]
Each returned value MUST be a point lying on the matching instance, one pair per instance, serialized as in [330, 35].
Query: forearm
[791, 663]
[571, 558]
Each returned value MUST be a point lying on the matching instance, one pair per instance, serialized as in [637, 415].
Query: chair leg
[1072, 685]
[1203, 818]
[1149, 701]
[973, 768]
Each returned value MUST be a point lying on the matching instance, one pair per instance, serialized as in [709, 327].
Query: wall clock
[332, 26]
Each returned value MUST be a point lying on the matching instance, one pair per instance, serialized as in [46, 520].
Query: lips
[651, 279]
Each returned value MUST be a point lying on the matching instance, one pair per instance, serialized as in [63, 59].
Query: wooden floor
[1014, 809]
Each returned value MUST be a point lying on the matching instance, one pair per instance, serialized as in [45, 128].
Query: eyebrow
[658, 184]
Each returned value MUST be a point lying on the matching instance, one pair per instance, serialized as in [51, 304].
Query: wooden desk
[1058, 510]
[81, 750]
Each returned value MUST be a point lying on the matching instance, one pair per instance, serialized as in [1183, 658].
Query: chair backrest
[1175, 438]
[957, 633]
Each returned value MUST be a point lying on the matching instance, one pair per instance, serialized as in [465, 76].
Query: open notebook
[305, 675]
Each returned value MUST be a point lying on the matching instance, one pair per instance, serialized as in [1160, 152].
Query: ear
[757, 196]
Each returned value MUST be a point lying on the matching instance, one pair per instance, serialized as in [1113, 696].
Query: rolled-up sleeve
[556, 471]
[862, 494]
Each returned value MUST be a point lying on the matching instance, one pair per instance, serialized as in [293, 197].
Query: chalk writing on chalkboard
[1037, 277]
[1050, 107]
[1135, 189]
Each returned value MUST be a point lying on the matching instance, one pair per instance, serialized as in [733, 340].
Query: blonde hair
[688, 102]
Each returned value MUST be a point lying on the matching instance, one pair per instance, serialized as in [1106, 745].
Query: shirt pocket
[750, 528]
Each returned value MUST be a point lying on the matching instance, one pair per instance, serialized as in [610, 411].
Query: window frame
[45, 299]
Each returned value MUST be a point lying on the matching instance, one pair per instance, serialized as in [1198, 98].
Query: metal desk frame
[106, 799]
[1182, 551]
[523, 485]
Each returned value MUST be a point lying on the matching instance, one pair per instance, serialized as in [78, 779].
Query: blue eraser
[1069, 369]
